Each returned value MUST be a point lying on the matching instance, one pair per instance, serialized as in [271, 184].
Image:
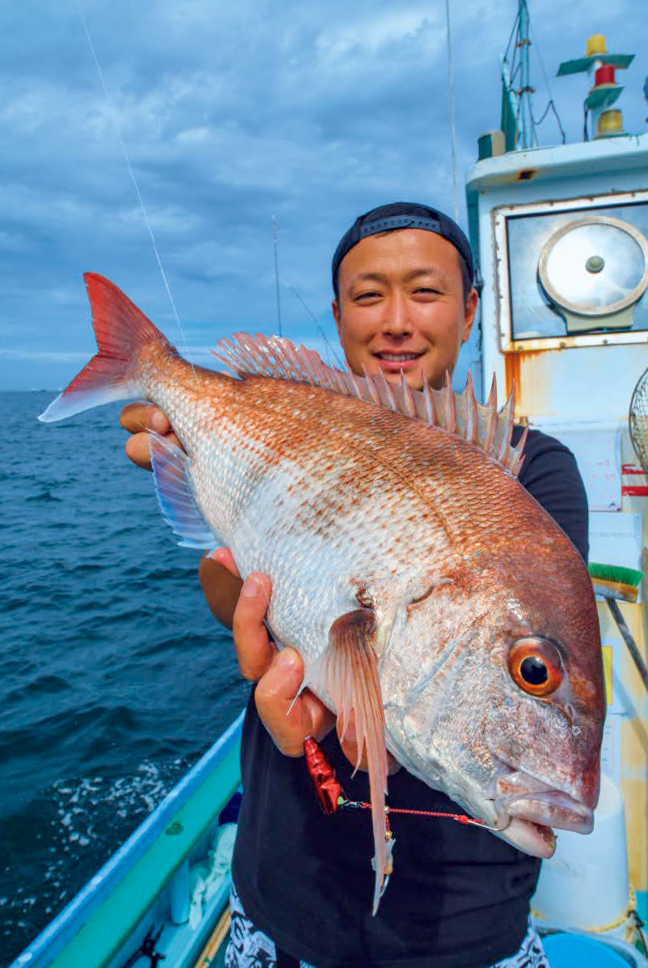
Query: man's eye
[427, 291]
[366, 295]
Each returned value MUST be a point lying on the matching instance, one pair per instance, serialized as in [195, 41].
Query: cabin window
[571, 269]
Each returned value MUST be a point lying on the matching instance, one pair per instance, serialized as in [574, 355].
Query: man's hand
[138, 419]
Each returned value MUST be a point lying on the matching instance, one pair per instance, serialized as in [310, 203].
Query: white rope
[455, 193]
[132, 175]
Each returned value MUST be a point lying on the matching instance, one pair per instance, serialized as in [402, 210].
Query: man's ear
[336, 315]
[469, 314]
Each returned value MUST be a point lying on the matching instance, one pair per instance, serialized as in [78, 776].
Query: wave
[83, 820]
[43, 496]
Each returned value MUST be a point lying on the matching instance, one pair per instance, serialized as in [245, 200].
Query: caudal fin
[121, 330]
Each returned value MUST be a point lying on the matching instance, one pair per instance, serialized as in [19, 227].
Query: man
[459, 897]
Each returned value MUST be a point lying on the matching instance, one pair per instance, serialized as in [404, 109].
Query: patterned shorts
[251, 948]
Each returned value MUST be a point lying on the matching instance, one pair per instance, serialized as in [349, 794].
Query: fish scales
[335, 486]
[429, 595]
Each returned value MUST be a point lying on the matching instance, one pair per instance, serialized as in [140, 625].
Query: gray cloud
[312, 112]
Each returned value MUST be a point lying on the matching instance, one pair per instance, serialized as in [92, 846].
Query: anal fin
[173, 486]
[350, 672]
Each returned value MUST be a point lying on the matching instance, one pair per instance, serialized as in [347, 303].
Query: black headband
[403, 215]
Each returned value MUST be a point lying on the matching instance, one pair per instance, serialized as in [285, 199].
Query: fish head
[500, 703]
[544, 722]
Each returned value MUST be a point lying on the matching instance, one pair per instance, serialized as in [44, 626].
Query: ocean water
[115, 677]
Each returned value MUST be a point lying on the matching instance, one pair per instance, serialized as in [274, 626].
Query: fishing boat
[164, 893]
[560, 237]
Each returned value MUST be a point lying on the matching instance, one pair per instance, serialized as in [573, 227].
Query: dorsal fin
[278, 358]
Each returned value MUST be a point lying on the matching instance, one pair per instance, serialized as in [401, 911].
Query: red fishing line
[331, 795]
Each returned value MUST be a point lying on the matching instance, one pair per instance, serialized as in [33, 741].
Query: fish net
[638, 420]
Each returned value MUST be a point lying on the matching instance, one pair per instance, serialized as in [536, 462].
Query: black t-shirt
[459, 896]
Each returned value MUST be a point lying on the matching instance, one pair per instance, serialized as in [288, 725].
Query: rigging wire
[513, 32]
[276, 262]
[551, 103]
[115, 122]
[515, 71]
[329, 346]
[542, 67]
[551, 107]
[278, 279]
[455, 193]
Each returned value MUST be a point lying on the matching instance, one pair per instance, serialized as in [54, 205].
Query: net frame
[638, 420]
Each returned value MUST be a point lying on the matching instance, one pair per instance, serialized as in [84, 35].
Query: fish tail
[121, 330]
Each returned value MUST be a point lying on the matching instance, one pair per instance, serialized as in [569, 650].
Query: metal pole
[180, 900]
[524, 42]
[628, 639]
[455, 192]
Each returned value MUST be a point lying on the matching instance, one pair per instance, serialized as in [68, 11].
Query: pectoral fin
[175, 494]
[349, 671]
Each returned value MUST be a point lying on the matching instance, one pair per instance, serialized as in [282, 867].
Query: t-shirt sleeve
[551, 475]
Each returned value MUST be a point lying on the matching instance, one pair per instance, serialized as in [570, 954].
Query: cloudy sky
[232, 113]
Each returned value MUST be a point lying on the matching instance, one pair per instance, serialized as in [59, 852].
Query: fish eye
[535, 666]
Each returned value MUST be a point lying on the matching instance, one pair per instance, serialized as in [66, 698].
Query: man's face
[401, 306]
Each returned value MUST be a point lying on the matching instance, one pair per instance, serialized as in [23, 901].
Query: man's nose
[397, 321]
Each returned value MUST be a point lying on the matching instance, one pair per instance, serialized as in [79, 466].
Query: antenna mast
[525, 90]
[455, 193]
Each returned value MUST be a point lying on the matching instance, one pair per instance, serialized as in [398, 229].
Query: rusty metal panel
[585, 384]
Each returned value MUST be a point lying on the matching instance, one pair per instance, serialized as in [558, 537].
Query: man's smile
[390, 360]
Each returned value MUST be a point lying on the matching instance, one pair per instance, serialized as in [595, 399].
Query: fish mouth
[527, 810]
[553, 809]
[531, 838]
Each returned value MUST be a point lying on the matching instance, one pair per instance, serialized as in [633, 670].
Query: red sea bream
[428, 593]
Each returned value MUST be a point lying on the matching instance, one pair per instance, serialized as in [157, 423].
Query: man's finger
[318, 717]
[254, 648]
[288, 720]
[349, 746]
[221, 588]
[225, 558]
[144, 416]
[138, 448]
